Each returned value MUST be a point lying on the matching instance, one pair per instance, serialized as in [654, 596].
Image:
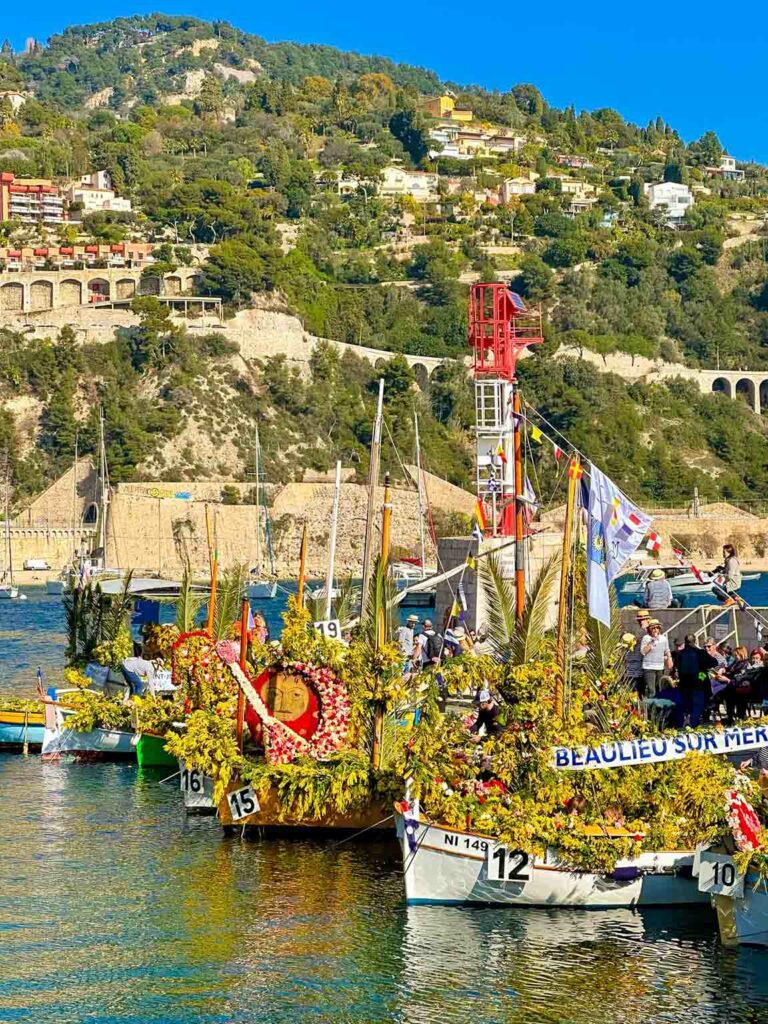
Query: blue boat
[20, 727]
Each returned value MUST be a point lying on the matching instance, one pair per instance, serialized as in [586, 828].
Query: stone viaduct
[35, 291]
[752, 387]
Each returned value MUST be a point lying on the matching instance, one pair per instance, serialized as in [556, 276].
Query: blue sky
[689, 62]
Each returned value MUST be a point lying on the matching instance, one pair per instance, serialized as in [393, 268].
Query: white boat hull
[197, 791]
[449, 867]
[743, 921]
[8, 593]
[98, 744]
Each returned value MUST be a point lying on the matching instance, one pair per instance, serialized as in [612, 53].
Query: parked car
[39, 564]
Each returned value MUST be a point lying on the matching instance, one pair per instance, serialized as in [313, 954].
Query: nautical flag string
[462, 596]
[471, 562]
[536, 434]
[653, 542]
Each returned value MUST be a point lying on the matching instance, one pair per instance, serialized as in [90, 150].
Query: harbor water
[115, 907]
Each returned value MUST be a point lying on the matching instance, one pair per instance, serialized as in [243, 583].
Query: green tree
[534, 279]
[235, 270]
[409, 127]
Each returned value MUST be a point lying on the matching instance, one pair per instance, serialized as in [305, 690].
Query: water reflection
[114, 907]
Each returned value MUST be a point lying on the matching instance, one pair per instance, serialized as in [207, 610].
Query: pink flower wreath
[282, 745]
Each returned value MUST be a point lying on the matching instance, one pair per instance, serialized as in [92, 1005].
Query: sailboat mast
[518, 498]
[373, 479]
[257, 456]
[8, 541]
[104, 489]
[420, 485]
[74, 492]
[332, 546]
[574, 472]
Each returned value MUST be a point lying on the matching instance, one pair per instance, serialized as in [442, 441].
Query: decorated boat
[63, 739]
[559, 788]
[22, 725]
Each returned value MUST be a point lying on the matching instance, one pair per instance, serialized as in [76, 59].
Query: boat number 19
[329, 628]
[505, 865]
[242, 802]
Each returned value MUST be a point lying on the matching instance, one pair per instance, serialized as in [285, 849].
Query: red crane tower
[501, 327]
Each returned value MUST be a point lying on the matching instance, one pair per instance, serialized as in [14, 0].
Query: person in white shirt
[657, 658]
[405, 638]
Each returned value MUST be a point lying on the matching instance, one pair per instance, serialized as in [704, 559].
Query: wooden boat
[21, 728]
[96, 745]
[151, 752]
[445, 866]
[241, 807]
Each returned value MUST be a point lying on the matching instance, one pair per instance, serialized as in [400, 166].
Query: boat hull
[151, 752]
[262, 591]
[96, 745]
[743, 921]
[449, 867]
[373, 818]
[15, 731]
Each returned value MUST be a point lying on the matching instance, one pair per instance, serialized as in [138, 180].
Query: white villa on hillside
[677, 199]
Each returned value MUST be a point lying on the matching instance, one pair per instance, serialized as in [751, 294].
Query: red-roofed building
[30, 200]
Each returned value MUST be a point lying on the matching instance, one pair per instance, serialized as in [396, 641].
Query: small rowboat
[445, 866]
[96, 745]
[18, 728]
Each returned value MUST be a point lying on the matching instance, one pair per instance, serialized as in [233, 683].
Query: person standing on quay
[693, 664]
[731, 571]
[657, 659]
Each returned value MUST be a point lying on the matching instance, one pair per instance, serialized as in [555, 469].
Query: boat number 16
[191, 780]
[505, 865]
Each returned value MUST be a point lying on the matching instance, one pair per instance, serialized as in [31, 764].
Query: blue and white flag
[616, 529]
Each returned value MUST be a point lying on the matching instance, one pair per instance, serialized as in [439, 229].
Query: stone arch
[41, 295]
[380, 364]
[125, 288]
[70, 293]
[172, 285]
[745, 388]
[91, 514]
[763, 393]
[149, 286]
[98, 290]
[722, 386]
[194, 281]
[12, 297]
[421, 373]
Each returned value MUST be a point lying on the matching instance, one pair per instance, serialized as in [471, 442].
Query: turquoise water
[115, 908]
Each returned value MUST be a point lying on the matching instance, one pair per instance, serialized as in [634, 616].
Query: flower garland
[282, 744]
[744, 823]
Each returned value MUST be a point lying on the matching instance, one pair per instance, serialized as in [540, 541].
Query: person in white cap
[405, 636]
[487, 717]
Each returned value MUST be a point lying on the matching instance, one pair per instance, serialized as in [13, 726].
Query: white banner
[660, 748]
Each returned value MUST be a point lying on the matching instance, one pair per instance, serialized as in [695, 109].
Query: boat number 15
[242, 802]
[505, 865]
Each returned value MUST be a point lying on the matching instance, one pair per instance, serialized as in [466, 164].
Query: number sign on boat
[191, 780]
[505, 865]
[242, 802]
[329, 628]
[718, 875]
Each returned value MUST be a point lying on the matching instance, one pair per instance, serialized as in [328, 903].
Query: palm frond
[379, 621]
[188, 604]
[345, 604]
[229, 594]
[499, 595]
[115, 611]
[523, 642]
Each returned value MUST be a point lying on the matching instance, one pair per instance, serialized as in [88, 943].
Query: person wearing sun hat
[654, 647]
[405, 637]
[658, 592]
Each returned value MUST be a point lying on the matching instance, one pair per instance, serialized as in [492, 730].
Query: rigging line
[406, 474]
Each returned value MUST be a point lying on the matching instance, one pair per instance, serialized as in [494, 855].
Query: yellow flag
[471, 562]
[455, 609]
[535, 433]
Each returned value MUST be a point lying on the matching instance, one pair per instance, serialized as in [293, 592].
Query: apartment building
[30, 200]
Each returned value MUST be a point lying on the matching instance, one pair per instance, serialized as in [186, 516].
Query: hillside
[365, 195]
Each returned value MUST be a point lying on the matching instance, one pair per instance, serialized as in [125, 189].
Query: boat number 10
[505, 865]
[242, 802]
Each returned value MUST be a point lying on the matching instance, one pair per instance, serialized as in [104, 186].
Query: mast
[380, 632]
[104, 477]
[332, 545]
[420, 485]
[518, 506]
[74, 497]
[257, 459]
[8, 541]
[574, 472]
[302, 566]
[373, 479]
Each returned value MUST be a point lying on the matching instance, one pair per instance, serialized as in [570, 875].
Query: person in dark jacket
[693, 665]
[487, 715]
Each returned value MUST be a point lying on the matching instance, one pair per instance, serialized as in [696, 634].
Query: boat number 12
[242, 802]
[505, 865]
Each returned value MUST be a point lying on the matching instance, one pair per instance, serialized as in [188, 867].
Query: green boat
[151, 752]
